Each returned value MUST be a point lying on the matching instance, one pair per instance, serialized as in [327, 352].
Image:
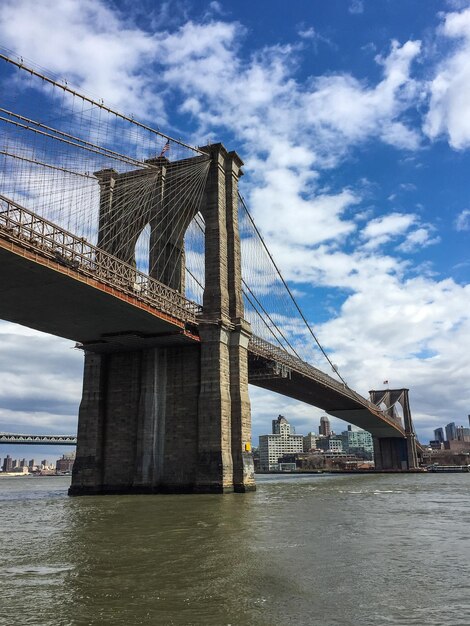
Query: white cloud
[411, 333]
[392, 226]
[449, 108]
[342, 109]
[308, 33]
[356, 7]
[41, 379]
[382, 229]
[89, 44]
[300, 221]
[462, 221]
[418, 239]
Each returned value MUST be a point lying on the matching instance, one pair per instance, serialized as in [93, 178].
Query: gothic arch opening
[194, 252]
[142, 250]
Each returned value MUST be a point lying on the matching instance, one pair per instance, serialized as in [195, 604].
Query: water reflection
[162, 560]
[340, 550]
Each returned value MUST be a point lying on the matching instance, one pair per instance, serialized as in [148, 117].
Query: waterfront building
[456, 446]
[325, 427]
[331, 443]
[65, 464]
[336, 445]
[358, 441]
[281, 441]
[439, 435]
[463, 434]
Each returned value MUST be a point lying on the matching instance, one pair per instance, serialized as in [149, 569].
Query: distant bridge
[38, 440]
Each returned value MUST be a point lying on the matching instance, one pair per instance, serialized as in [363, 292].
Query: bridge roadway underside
[302, 387]
[44, 295]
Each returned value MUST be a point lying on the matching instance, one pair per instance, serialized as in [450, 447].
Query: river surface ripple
[328, 550]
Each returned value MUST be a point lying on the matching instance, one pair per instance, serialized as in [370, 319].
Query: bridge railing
[22, 226]
[264, 349]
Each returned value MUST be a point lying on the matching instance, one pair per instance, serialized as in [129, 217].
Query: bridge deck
[41, 295]
[275, 370]
[52, 282]
[108, 303]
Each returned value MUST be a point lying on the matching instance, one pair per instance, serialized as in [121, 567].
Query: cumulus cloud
[383, 229]
[449, 108]
[88, 43]
[343, 109]
[417, 239]
[418, 327]
[390, 227]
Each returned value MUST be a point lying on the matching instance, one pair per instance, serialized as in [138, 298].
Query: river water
[327, 550]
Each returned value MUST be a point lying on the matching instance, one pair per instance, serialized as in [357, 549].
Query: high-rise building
[325, 427]
[7, 464]
[451, 431]
[357, 441]
[281, 441]
[463, 434]
[281, 426]
[439, 435]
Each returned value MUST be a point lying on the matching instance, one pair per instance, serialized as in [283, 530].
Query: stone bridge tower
[393, 452]
[173, 418]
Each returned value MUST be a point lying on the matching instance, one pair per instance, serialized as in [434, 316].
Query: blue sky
[352, 118]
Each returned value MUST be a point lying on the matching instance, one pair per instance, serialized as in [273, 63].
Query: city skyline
[366, 212]
[283, 442]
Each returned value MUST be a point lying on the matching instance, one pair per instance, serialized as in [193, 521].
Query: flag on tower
[165, 148]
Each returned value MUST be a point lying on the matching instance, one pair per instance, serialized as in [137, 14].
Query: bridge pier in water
[175, 418]
[395, 453]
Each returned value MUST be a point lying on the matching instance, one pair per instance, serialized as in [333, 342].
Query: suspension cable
[333, 367]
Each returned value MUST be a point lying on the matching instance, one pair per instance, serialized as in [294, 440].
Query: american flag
[165, 148]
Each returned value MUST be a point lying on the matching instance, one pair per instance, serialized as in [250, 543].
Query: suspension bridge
[140, 248]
